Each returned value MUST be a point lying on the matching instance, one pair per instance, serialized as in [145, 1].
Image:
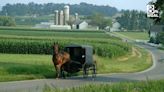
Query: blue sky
[120, 4]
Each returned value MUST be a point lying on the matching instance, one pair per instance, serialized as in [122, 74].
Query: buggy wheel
[93, 71]
[63, 74]
[85, 72]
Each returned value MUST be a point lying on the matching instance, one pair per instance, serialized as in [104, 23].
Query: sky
[119, 4]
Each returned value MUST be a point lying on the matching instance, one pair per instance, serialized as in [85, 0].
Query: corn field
[19, 46]
[40, 42]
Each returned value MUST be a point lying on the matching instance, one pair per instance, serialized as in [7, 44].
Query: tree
[98, 19]
[159, 4]
[160, 37]
[6, 21]
[71, 21]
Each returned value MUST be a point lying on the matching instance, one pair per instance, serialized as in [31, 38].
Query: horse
[59, 59]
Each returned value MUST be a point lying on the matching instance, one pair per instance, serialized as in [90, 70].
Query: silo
[76, 16]
[56, 20]
[61, 17]
[66, 14]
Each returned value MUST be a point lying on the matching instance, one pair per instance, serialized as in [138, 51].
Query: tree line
[20, 9]
[134, 20]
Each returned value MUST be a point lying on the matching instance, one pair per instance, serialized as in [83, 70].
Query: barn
[80, 24]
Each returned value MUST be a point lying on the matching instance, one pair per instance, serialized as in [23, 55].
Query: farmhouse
[154, 30]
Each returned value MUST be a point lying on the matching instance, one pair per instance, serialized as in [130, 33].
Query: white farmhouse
[115, 27]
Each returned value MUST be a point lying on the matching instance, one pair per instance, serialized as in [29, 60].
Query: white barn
[79, 24]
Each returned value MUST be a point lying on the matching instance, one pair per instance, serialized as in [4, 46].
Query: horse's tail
[66, 56]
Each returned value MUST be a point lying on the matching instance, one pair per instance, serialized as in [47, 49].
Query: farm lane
[156, 72]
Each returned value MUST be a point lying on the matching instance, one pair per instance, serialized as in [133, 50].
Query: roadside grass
[138, 60]
[135, 35]
[26, 67]
[141, 86]
[23, 67]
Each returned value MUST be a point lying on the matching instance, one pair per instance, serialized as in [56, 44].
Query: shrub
[152, 40]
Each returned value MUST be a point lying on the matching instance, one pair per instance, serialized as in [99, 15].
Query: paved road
[156, 72]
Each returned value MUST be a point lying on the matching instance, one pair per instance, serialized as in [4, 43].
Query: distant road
[156, 72]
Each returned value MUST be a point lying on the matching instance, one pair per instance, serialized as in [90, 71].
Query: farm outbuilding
[80, 24]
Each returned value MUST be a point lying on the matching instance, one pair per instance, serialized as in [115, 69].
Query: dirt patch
[139, 55]
[134, 53]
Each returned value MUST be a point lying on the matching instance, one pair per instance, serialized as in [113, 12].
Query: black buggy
[81, 60]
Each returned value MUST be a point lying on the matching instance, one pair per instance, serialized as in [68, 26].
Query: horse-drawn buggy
[79, 58]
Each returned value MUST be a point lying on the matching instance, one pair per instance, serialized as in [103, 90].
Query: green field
[23, 67]
[32, 66]
[135, 35]
[142, 86]
[26, 54]
[51, 34]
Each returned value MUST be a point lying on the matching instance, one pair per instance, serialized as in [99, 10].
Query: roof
[157, 28]
[77, 22]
